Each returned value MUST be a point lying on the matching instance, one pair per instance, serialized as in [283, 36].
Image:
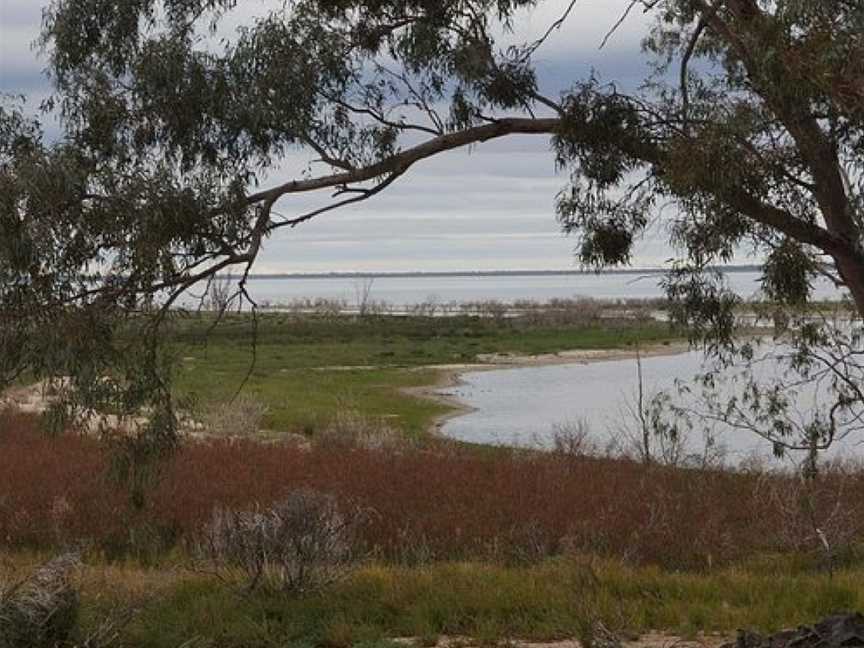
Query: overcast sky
[488, 208]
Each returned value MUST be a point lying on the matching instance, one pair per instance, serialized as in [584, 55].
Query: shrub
[560, 312]
[439, 503]
[241, 417]
[349, 428]
[573, 439]
[301, 543]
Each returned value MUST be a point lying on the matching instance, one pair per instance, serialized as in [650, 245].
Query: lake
[523, 406]
[506, 288]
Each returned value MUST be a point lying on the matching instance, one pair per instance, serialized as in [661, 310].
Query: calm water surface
[523, 406]
[508, 288]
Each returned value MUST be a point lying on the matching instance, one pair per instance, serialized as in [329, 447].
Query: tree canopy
[751, 126]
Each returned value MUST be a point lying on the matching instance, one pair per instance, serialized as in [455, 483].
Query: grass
[307, 366]
[553, 600]
[511, 545]
[302, 400]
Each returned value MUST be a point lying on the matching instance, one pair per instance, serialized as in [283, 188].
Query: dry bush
[560, 312]
[349, 428]
[241, 417]
[573, 439]
[490, 308]
[430, 504]
[221, 290]
[324, 307]
[364, 304]
[41, 610]
[301, 543]
[296, 306]
[427, 308]
[320, 307]
[814, 516]
[493, 309]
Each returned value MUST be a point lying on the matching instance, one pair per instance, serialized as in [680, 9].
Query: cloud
[20, 70]
[490, 207]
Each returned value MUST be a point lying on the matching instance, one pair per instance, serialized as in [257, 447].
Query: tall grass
[558, 599]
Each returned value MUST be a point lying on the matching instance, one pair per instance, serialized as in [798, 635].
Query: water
[507, 288]
[523, 406]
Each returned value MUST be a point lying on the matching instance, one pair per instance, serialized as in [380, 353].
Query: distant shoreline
[483, 273]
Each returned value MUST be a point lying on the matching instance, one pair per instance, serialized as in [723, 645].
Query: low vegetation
[447, 503]
[299, 543]
[553, 600]
[39, 609]
[449, 541]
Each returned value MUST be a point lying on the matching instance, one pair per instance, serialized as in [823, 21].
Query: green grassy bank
[555, 600]
[303, 368]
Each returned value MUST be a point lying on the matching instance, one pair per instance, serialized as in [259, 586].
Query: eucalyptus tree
[750, 126]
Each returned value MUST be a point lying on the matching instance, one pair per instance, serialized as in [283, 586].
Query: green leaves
[788, 273]
[607, 227]
[703, 306]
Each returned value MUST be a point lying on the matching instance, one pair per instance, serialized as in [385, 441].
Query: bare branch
[556, 25]
[326, 157]
[618, 23]
[380, 118]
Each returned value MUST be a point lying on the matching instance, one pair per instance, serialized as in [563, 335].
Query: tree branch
[364, 194]
[794, 112]
[783, 221]
[406, 158]
[688, 54]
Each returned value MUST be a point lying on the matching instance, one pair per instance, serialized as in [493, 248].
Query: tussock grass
[553, 600]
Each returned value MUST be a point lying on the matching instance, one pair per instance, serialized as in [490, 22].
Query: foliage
[798, 388]
[506, 507]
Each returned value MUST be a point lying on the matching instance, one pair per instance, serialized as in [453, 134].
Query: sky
[490, 207]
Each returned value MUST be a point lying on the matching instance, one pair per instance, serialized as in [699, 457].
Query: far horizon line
[360, 274]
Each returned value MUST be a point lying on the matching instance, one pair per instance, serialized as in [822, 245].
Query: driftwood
[838, 631]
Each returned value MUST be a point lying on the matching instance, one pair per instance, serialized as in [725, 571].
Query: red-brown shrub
[427, 504]
[53, 490]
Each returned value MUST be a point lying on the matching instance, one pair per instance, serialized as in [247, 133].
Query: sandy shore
[450, 375]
